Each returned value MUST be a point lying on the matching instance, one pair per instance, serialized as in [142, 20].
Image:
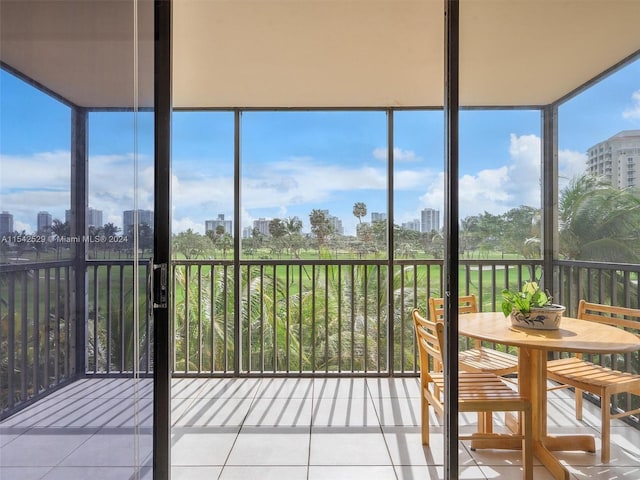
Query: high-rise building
[336, 223]
[430, 220]
[413, 225]
[44, 221]
[128, 220]
[247, 232]
[378, 217]
[94, 217]
[220, 222]
[262, 225]
[6, 223]
[617, 159]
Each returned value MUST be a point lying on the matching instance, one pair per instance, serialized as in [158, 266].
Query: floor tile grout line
[384, 439]
[253, 395]
[253, 399]
[313, 394]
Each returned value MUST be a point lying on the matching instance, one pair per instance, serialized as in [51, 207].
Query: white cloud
[412, 179]
[33, 183]
[20, 226]
[182, 224]
[50, 170]
[571, 164]
[306, 181]
[498, 189]
[633, 112]
[197, 196]
[41, 181]
[524, 171]
[399, 155]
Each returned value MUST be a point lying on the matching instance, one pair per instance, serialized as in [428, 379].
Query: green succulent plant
[531, 296]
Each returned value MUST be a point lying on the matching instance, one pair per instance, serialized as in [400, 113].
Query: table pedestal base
[564, 443]
[542, 449]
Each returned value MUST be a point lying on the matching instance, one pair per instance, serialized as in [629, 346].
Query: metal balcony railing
[315, 317]
[36, 330]
[292, 318]
[611, 284]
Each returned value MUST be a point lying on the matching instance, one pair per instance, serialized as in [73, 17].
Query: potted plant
[531, 307]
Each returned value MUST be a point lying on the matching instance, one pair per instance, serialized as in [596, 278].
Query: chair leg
[578, 404]
[424, 413]
[605, 407]
[527, 450]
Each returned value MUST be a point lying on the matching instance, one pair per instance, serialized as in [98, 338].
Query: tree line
[596, 221]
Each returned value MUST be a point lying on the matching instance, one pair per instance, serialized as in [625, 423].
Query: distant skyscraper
[378, 217]
[262, 224]
[128, 220]
[44, 221]
[335, 222]
[220, 222]
[413, 225]
[94, 217]
[617, 159]
[6, 223]
[247, 231]
[430, 220]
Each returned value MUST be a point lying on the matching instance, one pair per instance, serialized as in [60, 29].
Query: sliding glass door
[76, 228]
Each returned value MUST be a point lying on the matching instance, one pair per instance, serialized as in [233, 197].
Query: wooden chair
[478, 358]
[601, 381]
[478, 392]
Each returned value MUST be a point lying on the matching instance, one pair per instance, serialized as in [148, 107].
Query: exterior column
[78, 229]
[549, 221]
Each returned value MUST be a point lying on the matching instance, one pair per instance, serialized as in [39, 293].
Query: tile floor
[284, 429]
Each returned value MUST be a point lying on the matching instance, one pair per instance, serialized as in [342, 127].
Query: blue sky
[293, 162]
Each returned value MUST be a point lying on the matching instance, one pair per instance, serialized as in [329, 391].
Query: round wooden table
[574, 335]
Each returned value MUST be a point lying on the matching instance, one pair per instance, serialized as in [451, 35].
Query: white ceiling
[319, 53]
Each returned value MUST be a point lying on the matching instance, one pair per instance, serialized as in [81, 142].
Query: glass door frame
[162, 241]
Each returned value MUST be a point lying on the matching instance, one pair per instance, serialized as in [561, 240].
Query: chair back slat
[622, 317]
[429, 343]
[466, 304]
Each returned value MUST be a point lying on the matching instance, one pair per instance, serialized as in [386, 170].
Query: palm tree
[110, 231]
[320, 227]
[204, 306]
[599, 221]
[359, 210]
[95, 234]
[293, 227]
[61, 231]
[278, 231]
[468, 229]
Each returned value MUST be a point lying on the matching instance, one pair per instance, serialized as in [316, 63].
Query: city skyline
[295, 161]
[45, 219]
